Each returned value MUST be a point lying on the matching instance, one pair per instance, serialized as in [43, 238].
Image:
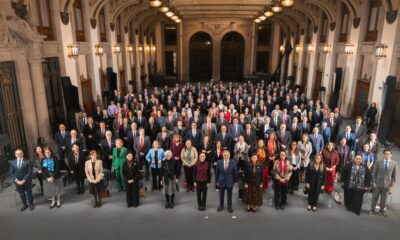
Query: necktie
[386, 165]
[347, 136]
[284, 119]
[63, 134]
[315, 139]
[19, 163]
[76, 159]
[283, 138]
[141, 142]
[235, 130]
[331, 121]
[209, 127]
[225, 165]
[109, 144]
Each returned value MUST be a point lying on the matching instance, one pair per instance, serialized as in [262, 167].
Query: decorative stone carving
[332, 26]
[64, 17]
[391, 16]
[356, 22]
[112, 27]
[217, 29]
[93, 23]
[20, 9]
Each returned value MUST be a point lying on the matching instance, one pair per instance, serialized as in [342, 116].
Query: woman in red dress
[330, 156]
[273, 148]
[262, 154]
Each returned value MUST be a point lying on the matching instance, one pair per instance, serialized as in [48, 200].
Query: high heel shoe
[52, 205]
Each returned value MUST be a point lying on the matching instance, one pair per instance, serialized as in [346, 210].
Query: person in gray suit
[208, 128]
[383, 178]
[141, 145]
[21, 173]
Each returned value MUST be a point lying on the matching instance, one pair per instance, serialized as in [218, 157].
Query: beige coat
[194, 157]
[98, 170]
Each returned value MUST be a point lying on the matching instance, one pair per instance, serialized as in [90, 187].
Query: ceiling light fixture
[276, 8]
[262, 17]
[164, 9]
[170, 13]
[287, 3]
[257, 20]
[155, 3]
[269, 13]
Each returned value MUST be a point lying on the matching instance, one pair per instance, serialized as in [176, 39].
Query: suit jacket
[106, 150]
[123, 132]
[170, 124]
[153, 131]
[361, 132]
[131, 173]
[146, 145]
[60, 141]
[226, 179]
[141, 123]
[288, 120]
[79, 168]
[286, 139]
[196, 140]
[99, 136]
[351, 142]
[47, 173]
[326, 134]
[250, 139]
[219, 122]
[91, 142]
[304, 129]
[295, 133]
[380, 177]
[22, 173]
[275, 125]
[164, 143]
[241, 152]
[131, 138]
[118, 160]
[150, 156]
[181, 132]
[317, 144]
[238, 132]
[212, 133]
[98, 168]
[226, 142]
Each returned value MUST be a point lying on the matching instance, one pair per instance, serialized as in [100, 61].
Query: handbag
[142, 192]
[105, 194]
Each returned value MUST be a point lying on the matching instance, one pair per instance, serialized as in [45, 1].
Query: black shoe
[248, 209]
[31, 207]
[253, 210]
[220, 209]
[203, 208]
[282, 206]
[23, 208]
[99, 204]
[276, 207]
[95, 204]
[230, 210]
[200, 208]
[52, 206]
[172, 203]
[58, 206]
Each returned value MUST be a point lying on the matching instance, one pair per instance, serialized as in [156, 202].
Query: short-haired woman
[189, 158]
[119, 157]
[154, 157]
[169, 179]
[202, 178]
[94, 174]
[131, 173]
[282, 172]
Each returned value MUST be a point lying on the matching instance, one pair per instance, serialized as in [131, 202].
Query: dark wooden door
[262, 61]
[394, 134]
[87, 96]
[304, 79]
[122, 82]
[361, 98]
[169, 63]
[232, 57]
[12, 134]
[54, 93]
[317, 84]
[200, 57]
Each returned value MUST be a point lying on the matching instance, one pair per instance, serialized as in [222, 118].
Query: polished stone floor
[76, 219]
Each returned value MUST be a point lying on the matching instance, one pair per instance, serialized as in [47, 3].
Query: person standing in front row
[253, 179]
[169, 178]
[225, 179]
[131, 173]
[202, 178]
[315, 181]
[94, 174]
[383, 178]
[282, 172]
[21, 173]
[119, 157]
[154, 158]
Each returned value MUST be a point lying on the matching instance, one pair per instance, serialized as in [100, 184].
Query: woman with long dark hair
[37, 170]
[53, 186]
[315, 181]
[253, 184]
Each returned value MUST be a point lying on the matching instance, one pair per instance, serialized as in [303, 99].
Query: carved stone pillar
[39, 90]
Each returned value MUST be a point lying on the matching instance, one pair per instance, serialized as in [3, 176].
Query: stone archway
[232, 57]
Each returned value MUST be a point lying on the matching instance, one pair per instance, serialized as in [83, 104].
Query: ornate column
[39, 90]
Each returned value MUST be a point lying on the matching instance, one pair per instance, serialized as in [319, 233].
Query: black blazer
[131, 173]
[346, 173]
[248, 175]
[79, 169]
[23, 173]
[105, 149]
[56, 174]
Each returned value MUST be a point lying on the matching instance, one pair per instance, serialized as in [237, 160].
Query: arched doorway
[232, 57]
[200, 57]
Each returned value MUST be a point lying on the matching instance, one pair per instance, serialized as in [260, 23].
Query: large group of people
[260, 135]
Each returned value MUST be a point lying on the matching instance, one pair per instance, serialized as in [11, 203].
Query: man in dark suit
[101, 132]
[333, 125]
[77, 161]
[359, 130]
[106, 147]
[123, 131]
[197, 119]
[209, 129]
[250, 135]
[72, 139]
[325, 130]
[89, 131]
[152, 129]
[21, 174]
[142, 145]
[236, 129]
[295, 130]
[164, 138]
[194, 134]
[225, 138]
[132, 134]
[60, 139]
[221, 121]
[275, 121]
[140, 120]
[226, 173]
[284, 137]
[305, 126]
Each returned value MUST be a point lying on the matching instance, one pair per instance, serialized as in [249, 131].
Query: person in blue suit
[61, 139]
[154, 157]
[225, 179]
[326, 132]
[317, 141]
[194, 135]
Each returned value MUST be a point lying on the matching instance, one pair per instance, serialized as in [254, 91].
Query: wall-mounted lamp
[73, 51]
[99, 50]
[147, 48]
[262, 17]
[299, 49]
[257, 20]
[268, 13]
[282, 49]
[311, 48]
[276, 8]
[349, 49]
[178, 20]
[153, 48]
[380, 51]
[140, 48]
[129, 49]
[116, 49]
[327, 49]
[164, 9]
